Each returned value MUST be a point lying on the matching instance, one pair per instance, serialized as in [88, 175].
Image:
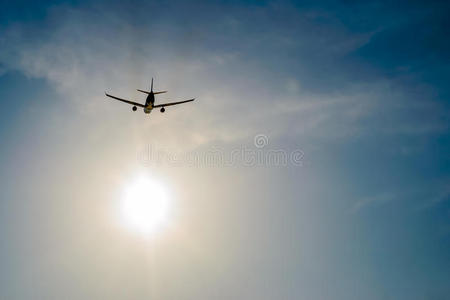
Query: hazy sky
[359, 90]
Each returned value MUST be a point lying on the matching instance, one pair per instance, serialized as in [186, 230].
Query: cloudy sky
[354, 96]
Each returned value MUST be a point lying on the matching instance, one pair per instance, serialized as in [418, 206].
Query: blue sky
[360, 88]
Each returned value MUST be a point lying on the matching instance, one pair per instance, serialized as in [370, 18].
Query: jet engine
[134, 108]
[162, 109]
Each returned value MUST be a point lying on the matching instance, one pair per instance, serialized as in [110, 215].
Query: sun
[145, 205]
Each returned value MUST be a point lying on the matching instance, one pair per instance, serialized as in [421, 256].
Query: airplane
[150, 101]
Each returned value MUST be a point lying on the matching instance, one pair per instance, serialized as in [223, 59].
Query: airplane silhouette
[150, 101]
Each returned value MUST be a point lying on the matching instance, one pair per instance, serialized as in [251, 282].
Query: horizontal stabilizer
[145, 92]
[153, 92]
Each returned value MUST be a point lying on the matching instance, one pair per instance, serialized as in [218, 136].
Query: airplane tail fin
[151, 90]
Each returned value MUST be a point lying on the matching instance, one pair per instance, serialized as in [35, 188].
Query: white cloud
[82, 53]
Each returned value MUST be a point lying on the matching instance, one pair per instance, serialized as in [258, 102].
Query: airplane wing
[126, 101]
[173, 103]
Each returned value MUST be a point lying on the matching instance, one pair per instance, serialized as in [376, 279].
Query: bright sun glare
[145, 205]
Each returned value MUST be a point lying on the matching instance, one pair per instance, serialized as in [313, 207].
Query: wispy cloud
[374, 200]
[227, 62]
[418, 198]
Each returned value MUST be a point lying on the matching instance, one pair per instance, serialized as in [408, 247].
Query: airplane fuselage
[149, 103]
